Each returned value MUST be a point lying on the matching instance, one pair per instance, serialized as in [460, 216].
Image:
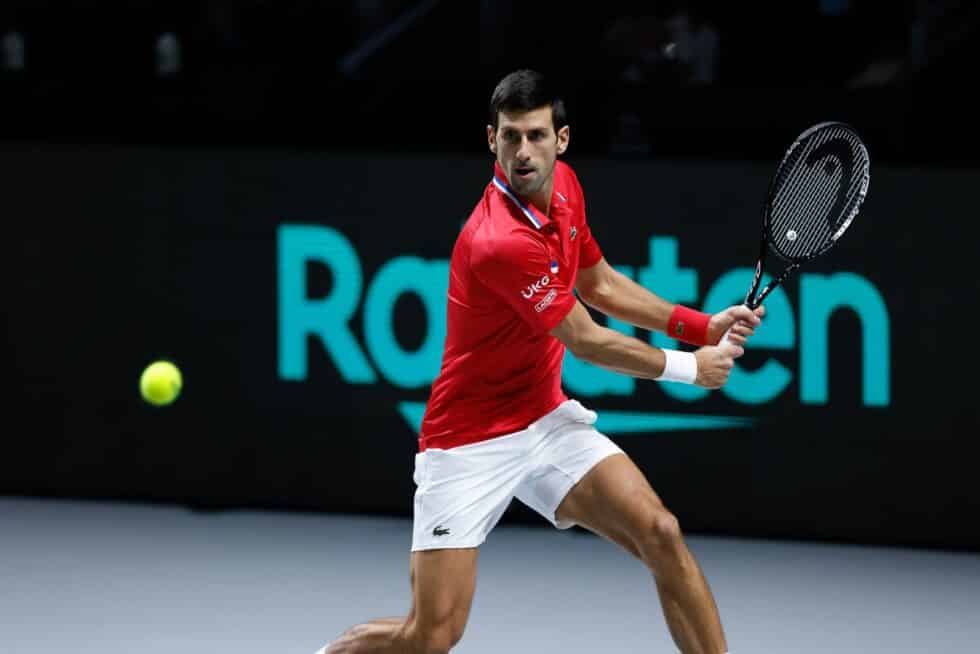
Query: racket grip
[724, 337]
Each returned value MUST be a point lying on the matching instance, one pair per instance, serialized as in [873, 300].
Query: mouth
[523, 172]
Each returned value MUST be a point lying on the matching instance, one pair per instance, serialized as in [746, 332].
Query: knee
[437, 639]
[661, 539]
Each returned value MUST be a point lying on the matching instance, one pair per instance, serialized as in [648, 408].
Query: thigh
[564, 458]
[614, 500]
[443, 583]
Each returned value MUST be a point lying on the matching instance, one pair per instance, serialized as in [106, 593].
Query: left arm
[605, 289]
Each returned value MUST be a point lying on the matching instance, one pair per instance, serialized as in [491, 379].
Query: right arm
[517, 268]
[613, 350]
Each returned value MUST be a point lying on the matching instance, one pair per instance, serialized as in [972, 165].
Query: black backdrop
[119, 256]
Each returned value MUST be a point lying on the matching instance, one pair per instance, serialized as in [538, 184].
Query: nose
[522, 152]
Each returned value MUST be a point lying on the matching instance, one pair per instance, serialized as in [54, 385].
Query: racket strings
[806, 215]
[805, 180]
[808, 207]
[806, 212]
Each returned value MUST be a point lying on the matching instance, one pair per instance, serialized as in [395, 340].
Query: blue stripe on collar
[513, 196]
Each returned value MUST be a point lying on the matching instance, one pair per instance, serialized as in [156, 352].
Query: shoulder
[500, 237]
[493, 247]
[567, 172]
[564, 168]
[567, 179]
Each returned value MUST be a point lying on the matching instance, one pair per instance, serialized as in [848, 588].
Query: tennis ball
[160, 383]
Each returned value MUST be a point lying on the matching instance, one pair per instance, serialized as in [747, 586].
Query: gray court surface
[108, 578]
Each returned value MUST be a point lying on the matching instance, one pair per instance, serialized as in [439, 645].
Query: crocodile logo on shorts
[439, 531]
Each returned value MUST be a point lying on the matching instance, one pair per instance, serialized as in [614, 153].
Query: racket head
[816, 192]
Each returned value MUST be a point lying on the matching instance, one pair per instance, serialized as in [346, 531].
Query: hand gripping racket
[814, 196]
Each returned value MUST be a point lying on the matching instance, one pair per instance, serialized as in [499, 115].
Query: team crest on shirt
[573, 233]
[554, 267]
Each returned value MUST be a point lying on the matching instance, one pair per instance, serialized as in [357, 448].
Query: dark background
[142, 206]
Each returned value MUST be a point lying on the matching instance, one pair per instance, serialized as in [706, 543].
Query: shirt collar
[533, 215]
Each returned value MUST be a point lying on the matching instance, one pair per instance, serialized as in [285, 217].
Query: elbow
[583, 345]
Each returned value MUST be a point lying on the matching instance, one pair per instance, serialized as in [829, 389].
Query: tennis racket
[813, 198]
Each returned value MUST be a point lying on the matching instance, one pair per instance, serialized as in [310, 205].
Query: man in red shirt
[498, 425]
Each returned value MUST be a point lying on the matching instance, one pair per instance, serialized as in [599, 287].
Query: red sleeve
[518, 269]
[589, 251]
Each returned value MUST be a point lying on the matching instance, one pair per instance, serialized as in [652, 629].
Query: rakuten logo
[360, 357]
[529, 291]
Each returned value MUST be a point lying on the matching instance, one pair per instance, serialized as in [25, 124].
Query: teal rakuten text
[328, 319]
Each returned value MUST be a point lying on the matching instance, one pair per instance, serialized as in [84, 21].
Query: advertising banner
[302, 295]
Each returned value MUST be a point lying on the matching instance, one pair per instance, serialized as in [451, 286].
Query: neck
[542, 199]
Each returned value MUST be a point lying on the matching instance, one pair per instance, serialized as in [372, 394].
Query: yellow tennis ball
[160, 383]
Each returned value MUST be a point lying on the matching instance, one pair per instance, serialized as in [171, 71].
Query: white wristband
[679, 367]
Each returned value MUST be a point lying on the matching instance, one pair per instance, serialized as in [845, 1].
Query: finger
[730, 351]
[760, 311]
[737, 339]
[742, 330]
[743, 313]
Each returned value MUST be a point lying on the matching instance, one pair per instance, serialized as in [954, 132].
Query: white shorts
[463, 492]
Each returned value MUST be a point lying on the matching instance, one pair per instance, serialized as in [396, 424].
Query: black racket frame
[751, 300]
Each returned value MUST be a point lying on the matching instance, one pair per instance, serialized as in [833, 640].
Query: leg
[443, 583]
[615, 501]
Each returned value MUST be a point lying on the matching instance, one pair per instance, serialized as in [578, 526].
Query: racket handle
[724, 337]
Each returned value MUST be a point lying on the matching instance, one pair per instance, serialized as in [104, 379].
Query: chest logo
[548, 299]
[529, 291]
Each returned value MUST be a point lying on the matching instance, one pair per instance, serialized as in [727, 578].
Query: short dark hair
[526, 90]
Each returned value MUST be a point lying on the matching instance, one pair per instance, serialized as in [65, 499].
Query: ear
[564, 134]
[492, 138]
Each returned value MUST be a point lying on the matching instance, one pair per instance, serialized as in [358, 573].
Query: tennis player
[498, 426]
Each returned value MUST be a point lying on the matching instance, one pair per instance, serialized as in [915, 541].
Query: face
[527, 146]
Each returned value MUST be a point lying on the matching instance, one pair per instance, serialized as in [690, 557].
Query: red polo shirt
[510, 283]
